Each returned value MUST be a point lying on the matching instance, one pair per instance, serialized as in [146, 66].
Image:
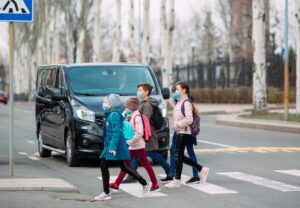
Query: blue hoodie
[113, 137]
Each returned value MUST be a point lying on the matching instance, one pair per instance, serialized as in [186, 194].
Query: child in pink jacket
[137, 144]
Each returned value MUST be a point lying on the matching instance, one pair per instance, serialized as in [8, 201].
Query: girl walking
[181, 125]
[137, 144]
[115, 146]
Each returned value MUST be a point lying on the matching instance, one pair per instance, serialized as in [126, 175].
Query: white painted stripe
[261, 181]
[22, 153]
[289, 172]
[242, 151]
[287, 151]
[33, 158]
[272, 150]
[216, 144]
[30, 142]
[259, 151]
[135, 189]
[208, 188]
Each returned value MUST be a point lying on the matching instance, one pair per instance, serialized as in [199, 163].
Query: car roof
[91, 64]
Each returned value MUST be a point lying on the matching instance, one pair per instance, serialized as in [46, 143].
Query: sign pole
[286, 64]
[11, 99]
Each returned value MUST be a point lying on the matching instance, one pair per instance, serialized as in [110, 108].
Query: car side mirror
[57, 94]
[165, 93]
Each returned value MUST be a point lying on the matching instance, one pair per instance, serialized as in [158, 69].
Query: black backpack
[156, 119]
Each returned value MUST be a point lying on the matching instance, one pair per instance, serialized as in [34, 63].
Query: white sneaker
[146, 189]
[203, 175]
[103, 197]
[174, 184]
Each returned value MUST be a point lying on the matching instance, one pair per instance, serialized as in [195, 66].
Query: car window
[59, 80]
[46, 81]
[103, 80]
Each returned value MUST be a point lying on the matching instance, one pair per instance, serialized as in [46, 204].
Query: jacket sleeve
[138, 130]
[147, 110]
[115, 123]
[187, 120]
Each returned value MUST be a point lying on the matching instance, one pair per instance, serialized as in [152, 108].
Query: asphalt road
[241, 173]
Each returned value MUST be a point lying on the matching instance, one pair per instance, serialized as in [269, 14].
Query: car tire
[72, 159]
[42, 151]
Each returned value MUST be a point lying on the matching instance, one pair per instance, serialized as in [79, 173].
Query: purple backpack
[195, 126]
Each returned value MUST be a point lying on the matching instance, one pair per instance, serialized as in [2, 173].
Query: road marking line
[287, 151]
[289, 172]
[279, 186]
[242, 151]
[30, 142]
[208, 188]
[135, 189]
[259, 151]
[216, 144]
[33, 158]
[22, 153]
[237, 149]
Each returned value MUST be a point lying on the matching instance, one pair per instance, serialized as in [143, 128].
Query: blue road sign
[16, 10]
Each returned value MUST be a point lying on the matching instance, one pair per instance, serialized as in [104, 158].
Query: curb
[279, 127]
[37, 184]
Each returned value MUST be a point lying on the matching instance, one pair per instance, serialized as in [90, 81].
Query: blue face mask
[176, 95]
[139, 95]
[105, 107]
[127, 112]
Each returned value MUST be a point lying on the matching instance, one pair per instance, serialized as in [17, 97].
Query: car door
[59, 111]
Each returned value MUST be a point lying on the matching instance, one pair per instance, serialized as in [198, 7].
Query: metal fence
[223, 73]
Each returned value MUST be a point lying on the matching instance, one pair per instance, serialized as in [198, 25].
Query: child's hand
[113, 152]
[129, 142]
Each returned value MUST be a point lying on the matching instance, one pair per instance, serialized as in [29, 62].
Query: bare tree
[297, 16]
[163, 35]
[97, 26]
[259, 58]
[117, 35]
[146, 38]
[131, 27]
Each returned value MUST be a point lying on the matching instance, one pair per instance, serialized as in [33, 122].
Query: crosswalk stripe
[289, 172]
[261, 181]
[135, 189]
[208, 188]
[259, 151]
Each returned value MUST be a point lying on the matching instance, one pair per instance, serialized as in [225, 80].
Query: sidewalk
[279, 126]
[36, 184]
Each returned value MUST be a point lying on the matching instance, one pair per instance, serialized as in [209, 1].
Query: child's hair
[147, 87]
[132, 104]
[185, 85]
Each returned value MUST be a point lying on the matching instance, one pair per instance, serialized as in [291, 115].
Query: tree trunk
[163, 35]
[132, 52]
[169, 47]
[297, 15]
[146, 41]
[97, 27]
[259, 58]
[117, 35]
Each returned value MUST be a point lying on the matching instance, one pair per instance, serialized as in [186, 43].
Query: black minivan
[69, 116]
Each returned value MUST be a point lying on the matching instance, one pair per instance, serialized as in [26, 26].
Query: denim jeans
[156, 157]
[190, 151]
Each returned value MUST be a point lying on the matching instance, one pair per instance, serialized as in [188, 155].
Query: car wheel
[42, 151]
[72, 159]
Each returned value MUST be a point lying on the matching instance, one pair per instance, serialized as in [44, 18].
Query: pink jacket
[138, 141]
[181, 124]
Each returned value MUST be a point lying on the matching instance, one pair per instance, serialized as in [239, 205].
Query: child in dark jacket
[115, 146]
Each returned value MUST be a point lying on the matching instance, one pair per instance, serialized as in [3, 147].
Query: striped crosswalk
[260, 181]
[212, 188]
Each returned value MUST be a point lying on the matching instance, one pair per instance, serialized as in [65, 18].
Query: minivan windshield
[103, 80]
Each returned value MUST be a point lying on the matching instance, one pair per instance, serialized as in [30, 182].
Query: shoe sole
[166, 182]
[114, 190]
[156, 190]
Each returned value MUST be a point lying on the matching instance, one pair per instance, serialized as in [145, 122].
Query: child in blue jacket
[115, 146]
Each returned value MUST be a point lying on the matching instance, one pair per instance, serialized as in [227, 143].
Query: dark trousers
[180, 158]
[123, 164]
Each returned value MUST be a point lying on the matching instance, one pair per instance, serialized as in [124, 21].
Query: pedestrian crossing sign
[16, 10]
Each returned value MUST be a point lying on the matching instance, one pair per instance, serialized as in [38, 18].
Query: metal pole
[139, 31]
[11, 98]
[286, 65]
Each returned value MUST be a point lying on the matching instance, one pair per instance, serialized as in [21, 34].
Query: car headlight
[82, 112]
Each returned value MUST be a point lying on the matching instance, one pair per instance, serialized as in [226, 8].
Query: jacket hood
[152, 101]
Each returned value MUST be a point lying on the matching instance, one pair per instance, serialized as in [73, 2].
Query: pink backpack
[146, 127]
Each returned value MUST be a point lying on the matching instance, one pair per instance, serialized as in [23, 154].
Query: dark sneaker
[167, 179]
[129, 179]
[193, 180]
[114, 187]
[155, 188]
